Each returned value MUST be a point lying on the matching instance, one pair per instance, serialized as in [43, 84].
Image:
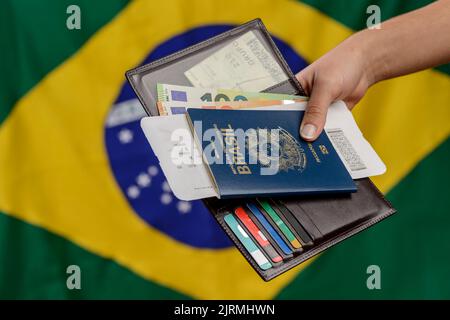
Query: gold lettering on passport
[323, 149]
[314, 153]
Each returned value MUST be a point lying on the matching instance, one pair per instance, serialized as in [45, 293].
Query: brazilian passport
[260, 153]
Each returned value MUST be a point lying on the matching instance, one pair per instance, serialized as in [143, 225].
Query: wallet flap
[171, 69]
[318, 222]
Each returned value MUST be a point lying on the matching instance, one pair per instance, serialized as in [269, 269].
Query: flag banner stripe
[35, 39]
[33, 264]
[411, 248]
[66, 182]
[43, 247]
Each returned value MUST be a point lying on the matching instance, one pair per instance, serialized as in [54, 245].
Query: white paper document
[187, 181]
[244, 64]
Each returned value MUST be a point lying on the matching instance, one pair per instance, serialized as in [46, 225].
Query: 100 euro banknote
[177, 107]
[174, 93]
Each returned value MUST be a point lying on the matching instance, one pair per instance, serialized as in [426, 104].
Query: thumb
[316, 113]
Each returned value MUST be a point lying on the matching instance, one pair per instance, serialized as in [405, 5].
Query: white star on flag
[125, 136]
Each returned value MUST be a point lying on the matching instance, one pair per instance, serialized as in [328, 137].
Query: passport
[260, 153]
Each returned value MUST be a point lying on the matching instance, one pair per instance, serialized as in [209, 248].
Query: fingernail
[308, 131]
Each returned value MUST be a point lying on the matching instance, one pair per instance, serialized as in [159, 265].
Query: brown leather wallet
[319, 222]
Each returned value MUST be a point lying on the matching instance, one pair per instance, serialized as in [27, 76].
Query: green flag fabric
[74, 192]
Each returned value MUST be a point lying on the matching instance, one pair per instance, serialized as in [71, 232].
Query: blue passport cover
[238, 171]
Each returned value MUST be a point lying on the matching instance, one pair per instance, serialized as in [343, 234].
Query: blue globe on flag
[136, 168]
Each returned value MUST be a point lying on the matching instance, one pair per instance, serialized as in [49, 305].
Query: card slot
[331, 215]
[275, 228]
[277, 248]
[280, 225]
[277, 241]
[258, 236]
[256, 221]
[285, 257]
[297, 228]
[304, 220]
[249, 244]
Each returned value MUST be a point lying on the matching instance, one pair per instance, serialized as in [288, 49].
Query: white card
[244, 64]
[187, 181]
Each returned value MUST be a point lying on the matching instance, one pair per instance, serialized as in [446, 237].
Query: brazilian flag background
[80, 186]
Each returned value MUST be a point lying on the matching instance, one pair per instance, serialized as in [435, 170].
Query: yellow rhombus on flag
[80, 186]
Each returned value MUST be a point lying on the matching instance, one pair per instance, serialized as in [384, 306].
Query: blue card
[262, 219]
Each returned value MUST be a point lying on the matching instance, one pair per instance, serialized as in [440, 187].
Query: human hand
[344, 73]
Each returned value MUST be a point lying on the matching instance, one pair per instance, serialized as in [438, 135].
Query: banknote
[172, 93]
[244, 64]
[176, 107]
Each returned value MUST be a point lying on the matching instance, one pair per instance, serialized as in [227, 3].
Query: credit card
[276, 237]
[257, 234]
[280, 223]
[298, 228]
[248, 243]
